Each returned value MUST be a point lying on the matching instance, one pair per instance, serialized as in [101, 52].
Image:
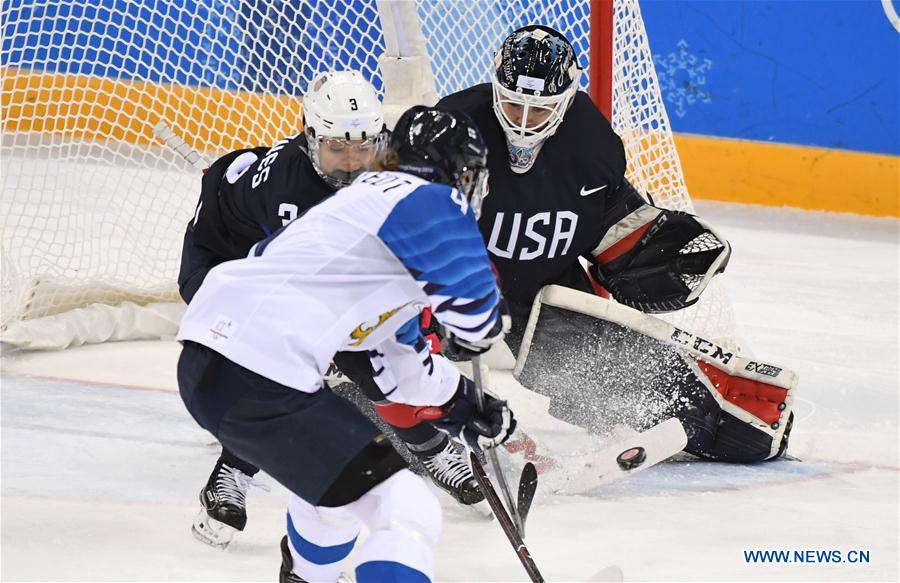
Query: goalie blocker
[603, 363]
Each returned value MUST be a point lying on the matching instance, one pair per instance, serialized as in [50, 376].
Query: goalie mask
[442, 146]
[344, 126]
[535, 79]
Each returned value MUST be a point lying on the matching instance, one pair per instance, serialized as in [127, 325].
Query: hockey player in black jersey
[559, 196]
[246, 196]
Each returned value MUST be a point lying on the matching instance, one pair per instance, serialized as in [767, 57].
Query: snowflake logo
[682, 78]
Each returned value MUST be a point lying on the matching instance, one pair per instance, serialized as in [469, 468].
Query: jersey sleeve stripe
[445, 253]
[473, 307]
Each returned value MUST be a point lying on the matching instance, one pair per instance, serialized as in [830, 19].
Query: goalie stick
[629, 456]
[615, 462]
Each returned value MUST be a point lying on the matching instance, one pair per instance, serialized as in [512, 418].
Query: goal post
[94, 206]
[601, 55]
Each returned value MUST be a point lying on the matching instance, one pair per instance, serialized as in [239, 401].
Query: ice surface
[101, 464]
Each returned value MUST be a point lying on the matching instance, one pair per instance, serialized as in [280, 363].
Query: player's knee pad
[402, 502]
[404, 520]
[319, 539]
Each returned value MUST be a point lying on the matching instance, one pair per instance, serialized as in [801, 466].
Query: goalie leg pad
[717, 435]
[600, 373]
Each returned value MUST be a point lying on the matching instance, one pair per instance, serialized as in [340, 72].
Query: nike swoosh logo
[585, 192]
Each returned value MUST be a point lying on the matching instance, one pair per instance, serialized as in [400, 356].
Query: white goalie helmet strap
[342, 104]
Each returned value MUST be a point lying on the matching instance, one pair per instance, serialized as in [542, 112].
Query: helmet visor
[339, 160]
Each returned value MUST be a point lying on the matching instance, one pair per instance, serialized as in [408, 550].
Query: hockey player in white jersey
[353, 273]
[250, 193]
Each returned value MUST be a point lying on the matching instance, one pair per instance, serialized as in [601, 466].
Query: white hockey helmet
[534, 80]
[344, 125]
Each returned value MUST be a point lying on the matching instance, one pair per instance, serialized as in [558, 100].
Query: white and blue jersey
[349, 275]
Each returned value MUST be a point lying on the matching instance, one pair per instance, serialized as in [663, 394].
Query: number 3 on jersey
[287, 212]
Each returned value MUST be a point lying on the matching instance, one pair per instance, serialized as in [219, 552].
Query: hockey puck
[631, 458]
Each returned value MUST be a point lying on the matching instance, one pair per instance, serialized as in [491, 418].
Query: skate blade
[210, 531]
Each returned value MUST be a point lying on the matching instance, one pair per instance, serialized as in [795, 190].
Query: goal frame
[408, 78]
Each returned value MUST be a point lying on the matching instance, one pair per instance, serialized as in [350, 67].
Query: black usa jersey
[536, 225]
[245, 196]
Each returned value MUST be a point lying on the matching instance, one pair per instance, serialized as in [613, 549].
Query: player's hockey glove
[460, 349]
[461, 418]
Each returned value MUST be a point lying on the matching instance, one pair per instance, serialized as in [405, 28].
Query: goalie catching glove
[658, 260]
[461, 418]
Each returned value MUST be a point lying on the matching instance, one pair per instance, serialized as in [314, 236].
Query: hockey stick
[479, 374]
[510, 528]
[174, 141]
[527, 488]
[505, 521]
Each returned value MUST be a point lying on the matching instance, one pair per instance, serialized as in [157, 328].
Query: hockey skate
[286, 573]
[447, 467]
[224, 511]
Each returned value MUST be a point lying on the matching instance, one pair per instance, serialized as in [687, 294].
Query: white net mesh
[639, 116]
[462, 37]
[94, 208]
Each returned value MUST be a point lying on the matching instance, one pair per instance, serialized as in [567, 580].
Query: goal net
[94, 206]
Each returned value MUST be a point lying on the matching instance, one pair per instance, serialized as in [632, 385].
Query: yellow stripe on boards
[97, 108]
[215, 120]
[787, 175]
